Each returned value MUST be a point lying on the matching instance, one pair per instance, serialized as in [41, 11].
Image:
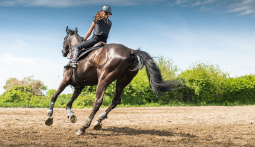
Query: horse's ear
[67, 30]
[76, 30]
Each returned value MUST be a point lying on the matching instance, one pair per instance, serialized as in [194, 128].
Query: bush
[240, 90]
[22, 96]
[204, 83]
[51, 92]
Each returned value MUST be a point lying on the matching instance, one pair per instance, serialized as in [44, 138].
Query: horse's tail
[154, 74]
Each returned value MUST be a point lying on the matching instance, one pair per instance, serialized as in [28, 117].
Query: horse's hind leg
[65, 82]
[121, 83]
[72, 118]
[98, 101]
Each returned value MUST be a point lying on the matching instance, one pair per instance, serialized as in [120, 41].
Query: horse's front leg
[62, 86]
[49, 119]
[98, 101]
[72, 118]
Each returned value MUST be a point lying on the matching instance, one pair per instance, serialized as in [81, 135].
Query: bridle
[70, 47]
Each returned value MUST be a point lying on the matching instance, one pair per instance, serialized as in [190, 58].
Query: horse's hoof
[72, 118]
[97, 125]
[79, 132]
[49, 121]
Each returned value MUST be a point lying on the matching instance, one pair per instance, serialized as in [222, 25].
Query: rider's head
[107, 9]
[105, 12]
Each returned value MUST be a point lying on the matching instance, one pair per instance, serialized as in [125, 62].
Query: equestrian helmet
[107, 9]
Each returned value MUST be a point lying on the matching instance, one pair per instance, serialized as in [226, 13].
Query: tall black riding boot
[73, 63]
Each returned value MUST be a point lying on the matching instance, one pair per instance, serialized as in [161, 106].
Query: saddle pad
[85, 52]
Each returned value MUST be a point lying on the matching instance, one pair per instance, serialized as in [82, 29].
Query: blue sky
[221, 32]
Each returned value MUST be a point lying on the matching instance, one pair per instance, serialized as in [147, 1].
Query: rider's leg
[85, 44]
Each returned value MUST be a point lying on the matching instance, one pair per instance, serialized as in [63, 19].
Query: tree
[37, 86]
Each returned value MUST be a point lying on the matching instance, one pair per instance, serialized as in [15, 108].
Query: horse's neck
[74, 40]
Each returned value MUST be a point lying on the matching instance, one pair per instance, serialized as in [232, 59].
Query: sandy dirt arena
[149, 126]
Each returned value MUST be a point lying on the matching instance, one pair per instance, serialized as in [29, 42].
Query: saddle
[85, 51]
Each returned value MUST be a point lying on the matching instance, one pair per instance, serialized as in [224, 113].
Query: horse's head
[70, 41]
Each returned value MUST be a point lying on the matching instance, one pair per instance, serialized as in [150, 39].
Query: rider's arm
[89, 31]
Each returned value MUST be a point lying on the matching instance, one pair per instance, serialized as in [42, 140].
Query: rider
[101, 25]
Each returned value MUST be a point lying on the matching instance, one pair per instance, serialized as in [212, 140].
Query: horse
[102, 66]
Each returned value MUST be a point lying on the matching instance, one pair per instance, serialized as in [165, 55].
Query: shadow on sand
[133, 131]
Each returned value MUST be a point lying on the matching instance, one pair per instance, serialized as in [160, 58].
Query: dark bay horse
[101, 67]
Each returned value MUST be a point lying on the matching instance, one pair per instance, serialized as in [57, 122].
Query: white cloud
[205, 8]
[198, 3]
[179, 2]
[246, 7]
[72, 3]
[241, 7]
[194, 3]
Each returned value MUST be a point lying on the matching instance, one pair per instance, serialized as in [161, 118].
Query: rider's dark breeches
[85, 44]
[91, 42]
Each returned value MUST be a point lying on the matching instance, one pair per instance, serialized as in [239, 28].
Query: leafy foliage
[22, 96]
[207, 84]
[239, 90]
[204, 82]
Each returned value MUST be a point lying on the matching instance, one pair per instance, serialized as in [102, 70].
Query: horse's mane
[72, 32]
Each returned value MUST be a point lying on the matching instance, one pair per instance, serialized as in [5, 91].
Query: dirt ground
[149, 126]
